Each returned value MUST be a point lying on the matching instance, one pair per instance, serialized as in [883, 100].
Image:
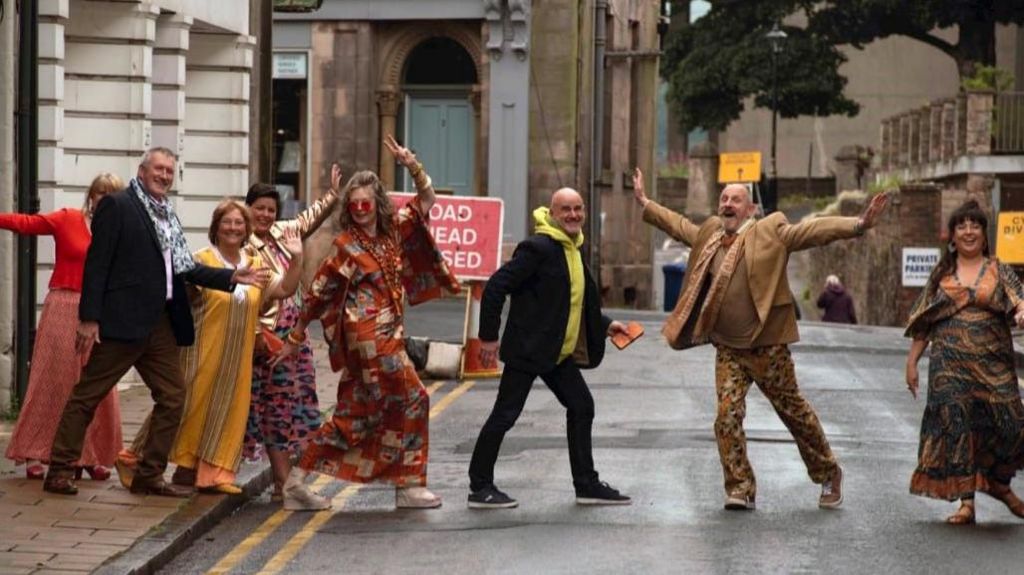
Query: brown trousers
[156, 360]
[771, 368]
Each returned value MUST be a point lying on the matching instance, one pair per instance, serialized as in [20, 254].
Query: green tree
[715, 63]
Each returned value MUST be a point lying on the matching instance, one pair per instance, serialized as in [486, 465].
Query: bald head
[567, 210]
[735, 207]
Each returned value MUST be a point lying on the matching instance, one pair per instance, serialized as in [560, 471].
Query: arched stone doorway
[430, 99]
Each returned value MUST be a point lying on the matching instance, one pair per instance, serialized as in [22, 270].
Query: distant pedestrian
[736, 296]
[836, 302]
[52, 376]
[972, 431]
[555, 327]
[379, 428]
[134, 312]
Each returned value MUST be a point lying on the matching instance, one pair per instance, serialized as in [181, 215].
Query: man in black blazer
[134, 312]
[555, 327]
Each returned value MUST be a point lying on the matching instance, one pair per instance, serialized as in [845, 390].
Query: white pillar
[8, 104]
[216, 126]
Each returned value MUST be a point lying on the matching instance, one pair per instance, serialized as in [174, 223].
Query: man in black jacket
[134, 312]
[555, 327]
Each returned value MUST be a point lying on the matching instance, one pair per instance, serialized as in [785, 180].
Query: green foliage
[807, 294]
[885, 185]
[715, 64]
[674, 170]
[11, 413]
[988, 78]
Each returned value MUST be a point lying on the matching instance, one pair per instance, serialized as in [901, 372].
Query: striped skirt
[55, 371]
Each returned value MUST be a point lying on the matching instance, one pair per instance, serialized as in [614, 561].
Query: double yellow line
[292, 547]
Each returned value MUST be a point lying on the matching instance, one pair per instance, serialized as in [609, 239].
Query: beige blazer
[767, 245]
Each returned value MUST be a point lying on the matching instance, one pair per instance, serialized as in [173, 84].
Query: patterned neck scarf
[168, 228]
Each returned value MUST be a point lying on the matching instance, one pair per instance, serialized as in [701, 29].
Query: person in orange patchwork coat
[378, 431]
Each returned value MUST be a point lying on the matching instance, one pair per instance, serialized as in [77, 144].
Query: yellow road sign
[1010, 238]
[739, 167]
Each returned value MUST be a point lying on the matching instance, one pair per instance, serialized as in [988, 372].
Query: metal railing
[1008, 123]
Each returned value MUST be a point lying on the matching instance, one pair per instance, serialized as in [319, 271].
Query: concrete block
[172, 31]
[87, 59]
[51, 162]
[196, 213]
[51, 82]
[213, 182]
[221, 50]
[231, 15]
[51, 123]
[207, 116]
[169, 136]
[168, 104]
[79, 169]
[217, 149]
[51, 40]
[127, 135]
[120, 20]
[169, 69]
[227, 84]
[117, 96]
[55, 8]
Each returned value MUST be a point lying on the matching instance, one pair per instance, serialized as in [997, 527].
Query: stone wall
[870, 267]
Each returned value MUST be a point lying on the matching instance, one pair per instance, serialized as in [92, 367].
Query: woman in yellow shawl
[218, 367]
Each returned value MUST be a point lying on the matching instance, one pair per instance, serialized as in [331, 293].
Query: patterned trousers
[771, 367]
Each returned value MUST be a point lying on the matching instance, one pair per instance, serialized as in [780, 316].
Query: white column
[216, 126]
[509, 108]
[168, 102]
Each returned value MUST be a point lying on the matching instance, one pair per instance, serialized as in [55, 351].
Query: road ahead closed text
[467, 231]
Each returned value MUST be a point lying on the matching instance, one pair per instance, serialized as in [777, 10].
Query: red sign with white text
[467, 230]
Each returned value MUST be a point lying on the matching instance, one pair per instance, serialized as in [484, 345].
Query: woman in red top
[52, 376]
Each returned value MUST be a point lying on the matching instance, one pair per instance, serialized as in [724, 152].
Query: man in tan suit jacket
[736, 296]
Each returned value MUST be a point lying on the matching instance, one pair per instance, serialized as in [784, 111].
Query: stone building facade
[115, 78]
[497, 98]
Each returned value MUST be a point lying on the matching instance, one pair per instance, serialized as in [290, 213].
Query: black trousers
[567, 383]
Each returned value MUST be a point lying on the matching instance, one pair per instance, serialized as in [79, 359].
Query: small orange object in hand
[633, 331]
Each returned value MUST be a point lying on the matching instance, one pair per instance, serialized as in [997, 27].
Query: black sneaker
[491, 498]
[600, 493]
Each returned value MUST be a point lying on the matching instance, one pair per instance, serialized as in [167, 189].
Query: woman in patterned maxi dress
[972, 431]
[378, 431]
[285, 410]
[53, 375]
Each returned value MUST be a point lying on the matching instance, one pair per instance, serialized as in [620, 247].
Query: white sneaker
[416, 498]
[299, 497]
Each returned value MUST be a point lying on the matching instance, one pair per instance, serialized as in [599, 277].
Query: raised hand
[638, 188]
[875, 208]
[401, 153]
[335, 178]
[292, 240]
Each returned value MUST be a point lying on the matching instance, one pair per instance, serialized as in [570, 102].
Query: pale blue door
[440, 131]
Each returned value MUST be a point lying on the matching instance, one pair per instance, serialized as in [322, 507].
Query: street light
[776, 37]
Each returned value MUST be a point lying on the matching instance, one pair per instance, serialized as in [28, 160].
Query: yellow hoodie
[546, 225]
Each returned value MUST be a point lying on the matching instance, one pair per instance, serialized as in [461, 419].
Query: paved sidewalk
[106, 526]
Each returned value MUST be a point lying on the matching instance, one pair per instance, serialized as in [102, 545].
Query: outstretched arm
[674, 224]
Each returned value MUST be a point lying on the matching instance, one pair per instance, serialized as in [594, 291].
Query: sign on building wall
[289, 65]
[1010, 238]
[918, 264]
[739, 167]
[467, 231]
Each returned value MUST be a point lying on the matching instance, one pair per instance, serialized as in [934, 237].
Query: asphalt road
[653, 440]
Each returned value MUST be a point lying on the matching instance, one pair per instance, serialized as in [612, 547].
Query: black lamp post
[776, 37]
